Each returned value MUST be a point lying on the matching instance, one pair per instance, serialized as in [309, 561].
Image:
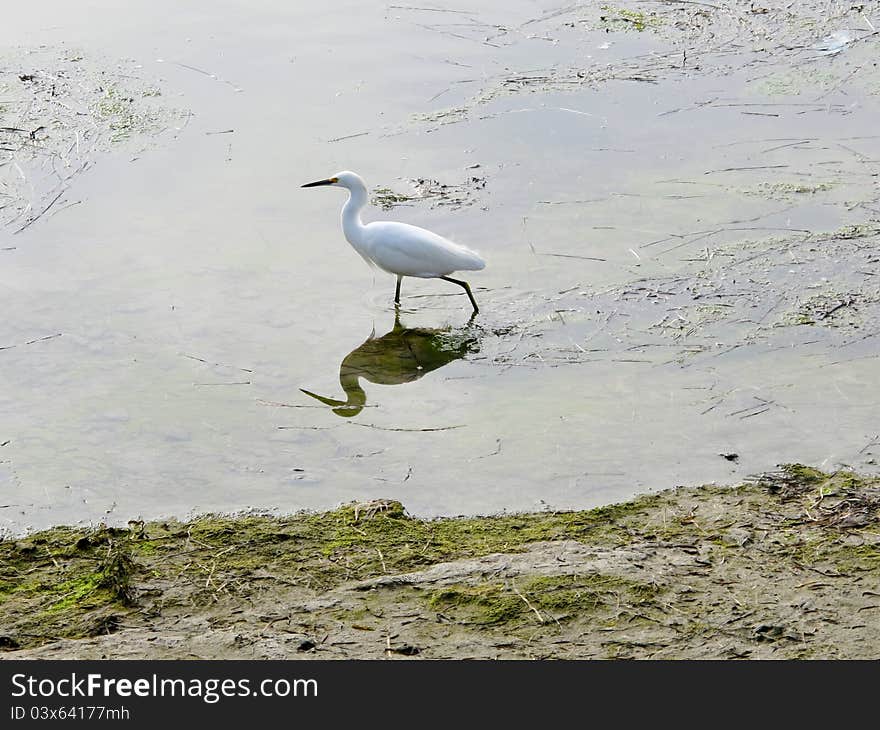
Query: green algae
[64, 583]
[786, 190]
[72, 582]
[798, 474]
[77, 591]
[538, 598]
[626, 19]
[386, 198]
[50, 580]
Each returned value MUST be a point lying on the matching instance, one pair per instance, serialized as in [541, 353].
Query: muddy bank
[785, 566]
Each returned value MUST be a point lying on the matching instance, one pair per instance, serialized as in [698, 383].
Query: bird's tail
[473, 262]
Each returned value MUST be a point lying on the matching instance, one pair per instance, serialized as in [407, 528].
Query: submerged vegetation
[429, 190]
[626, 19]
[62, 108]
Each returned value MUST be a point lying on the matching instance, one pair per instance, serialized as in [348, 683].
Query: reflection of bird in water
[401, 356]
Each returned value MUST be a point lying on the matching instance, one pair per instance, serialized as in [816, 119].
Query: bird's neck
[352, 225]
[356, 398]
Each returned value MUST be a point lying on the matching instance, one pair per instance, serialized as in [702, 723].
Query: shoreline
[786, 566]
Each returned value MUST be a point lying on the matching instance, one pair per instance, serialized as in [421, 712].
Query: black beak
[319, 182]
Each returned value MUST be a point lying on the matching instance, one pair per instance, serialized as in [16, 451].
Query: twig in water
[568, 256]
[497, 448]
[206, 73]
[383, 428]
[41, 213]
[64, 207]
[790, 144]
[305, 428]
[348, 136]
[841, 305]
[219, 364]
[31, 342]
[740, 169]
[431, 10]
[755, 413]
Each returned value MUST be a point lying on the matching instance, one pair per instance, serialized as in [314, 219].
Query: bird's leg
[397, 291]
[467, 289]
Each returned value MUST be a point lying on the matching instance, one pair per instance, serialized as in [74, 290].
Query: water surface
[161, 331]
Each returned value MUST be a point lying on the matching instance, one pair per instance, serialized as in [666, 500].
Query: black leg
[467, 289]
[397, 291]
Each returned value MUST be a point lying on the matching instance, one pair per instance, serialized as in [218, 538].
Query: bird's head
[344, 179]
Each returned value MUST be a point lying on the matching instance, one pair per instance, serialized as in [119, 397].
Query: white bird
[400, 248]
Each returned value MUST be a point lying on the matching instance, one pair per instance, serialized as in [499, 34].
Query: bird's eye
[334, 179]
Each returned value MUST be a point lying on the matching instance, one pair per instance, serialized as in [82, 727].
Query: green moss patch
[671, 567]
[65, 584]
[50, 580]
[539, 599]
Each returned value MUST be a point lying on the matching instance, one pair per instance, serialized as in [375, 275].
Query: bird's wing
[409, 250]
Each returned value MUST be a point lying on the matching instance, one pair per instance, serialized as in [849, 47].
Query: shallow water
[197, 291]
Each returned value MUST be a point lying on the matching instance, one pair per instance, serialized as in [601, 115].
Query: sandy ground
[787, 567]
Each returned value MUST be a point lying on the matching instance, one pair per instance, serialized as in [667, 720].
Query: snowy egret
[400, 248]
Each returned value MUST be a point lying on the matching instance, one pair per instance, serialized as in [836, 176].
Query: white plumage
[400, 248]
